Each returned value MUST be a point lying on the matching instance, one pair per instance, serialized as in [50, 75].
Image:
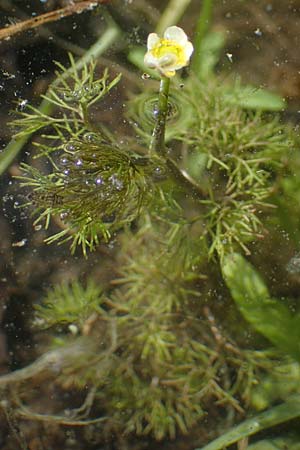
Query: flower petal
[150, 60]
[188, 50]
[176, 34]
[152, 40]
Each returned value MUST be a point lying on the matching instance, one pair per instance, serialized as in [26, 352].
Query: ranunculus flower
[170, 53]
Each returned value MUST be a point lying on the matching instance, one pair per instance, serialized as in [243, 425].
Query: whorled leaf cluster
[94, 189]
[159, 362]
[156, 359]
[224, 161]
[234, 155]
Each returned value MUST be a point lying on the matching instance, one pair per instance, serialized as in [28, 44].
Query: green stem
[203, 25]
[103, 43]
[157, 144]
[274, 416]
[184, 180]
[158, 147]
[172, 14]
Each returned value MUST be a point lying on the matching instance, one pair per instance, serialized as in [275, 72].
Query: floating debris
[229, 56]
[20, 243]
[293, 266]
[258, 32]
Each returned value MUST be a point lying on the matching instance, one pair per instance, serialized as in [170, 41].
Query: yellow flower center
[167, 48]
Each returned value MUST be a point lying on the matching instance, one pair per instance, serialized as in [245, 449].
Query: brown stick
[51, 16]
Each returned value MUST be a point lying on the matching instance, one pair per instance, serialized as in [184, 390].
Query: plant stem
[184, 180]
[157, 144]
[203, 25]
[274, 416]
[171, 14]
[158, 147]
[102, 44]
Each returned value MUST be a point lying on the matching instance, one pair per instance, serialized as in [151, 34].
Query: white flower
[170, 53]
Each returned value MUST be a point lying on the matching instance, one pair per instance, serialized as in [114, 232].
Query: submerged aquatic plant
[160, 352]
[95, 189]
[157, 365]
[231, 155]
[69, 304]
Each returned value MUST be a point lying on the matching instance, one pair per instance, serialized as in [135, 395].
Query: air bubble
[99, 181]
[158, 173]
[90, 138]
[70, 147]
[116, 182]
[64, 161]
[155, 111]
[63, 215]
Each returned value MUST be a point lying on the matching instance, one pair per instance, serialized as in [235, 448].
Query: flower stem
[157, 144]
[202, 28]
[172, 14]
[158, 147]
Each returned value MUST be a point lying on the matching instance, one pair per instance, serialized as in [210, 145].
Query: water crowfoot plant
[95, 189]
[163, 343]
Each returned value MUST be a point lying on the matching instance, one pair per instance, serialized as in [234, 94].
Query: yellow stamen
[165, 48]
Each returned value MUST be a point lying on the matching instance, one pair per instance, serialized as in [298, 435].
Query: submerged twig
[54, 359]
[26, 413]
[52, 16]
[43, 31]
